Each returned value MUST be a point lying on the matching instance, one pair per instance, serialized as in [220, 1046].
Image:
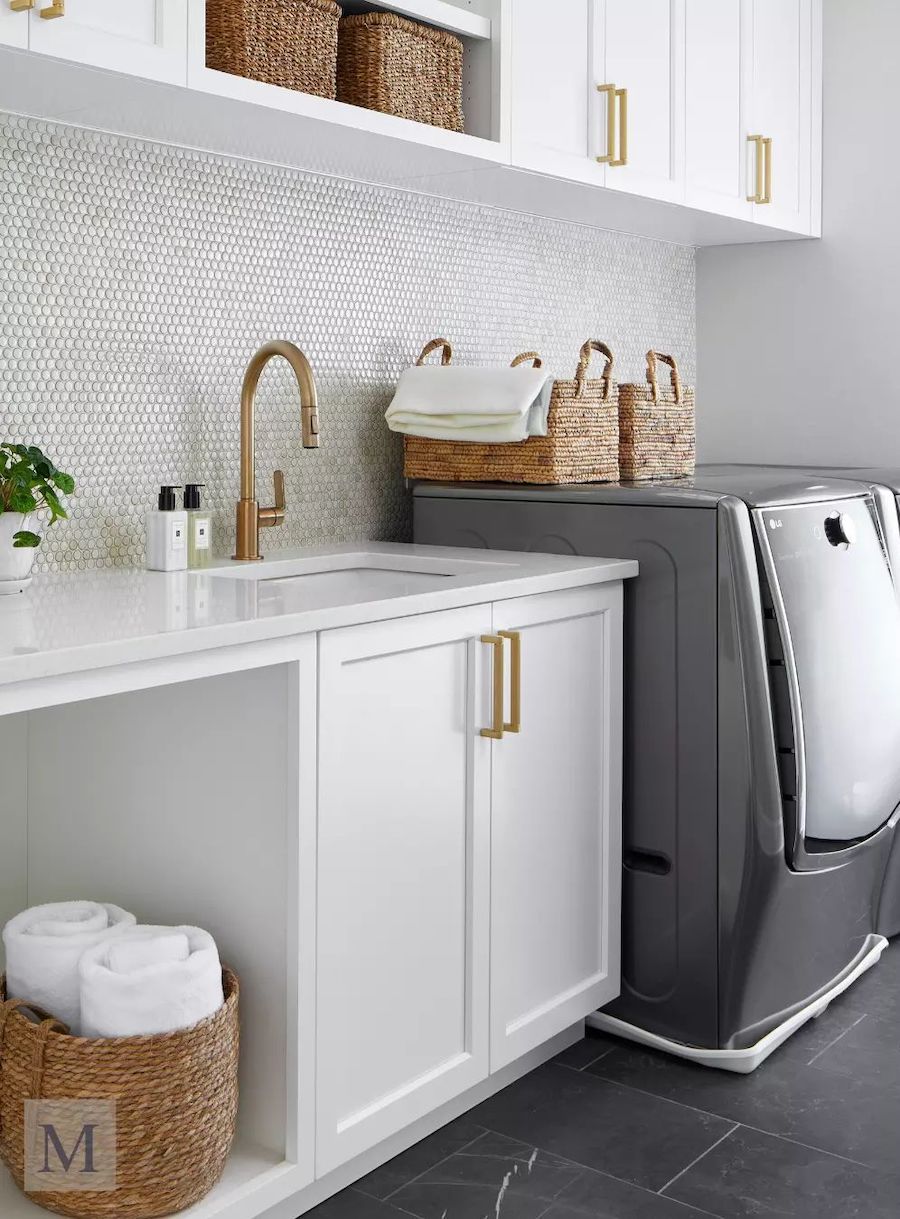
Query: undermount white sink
[354, 575]
[353, 582]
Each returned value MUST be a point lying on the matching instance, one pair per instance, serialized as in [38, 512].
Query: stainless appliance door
[839, 622]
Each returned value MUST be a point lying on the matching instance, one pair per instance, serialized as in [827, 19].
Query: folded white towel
[487, 405]
[43, 947]
[150, 980]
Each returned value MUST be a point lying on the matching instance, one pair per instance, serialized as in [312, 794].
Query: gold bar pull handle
[495, 732]
[609, 156]
[767, 188]
[622, 159]
[21, 6]
[515, 680]
[56, 9]
[757, 196]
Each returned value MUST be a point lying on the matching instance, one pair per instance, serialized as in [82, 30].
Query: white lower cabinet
[403, 865]
[468, 892]
[555, 823]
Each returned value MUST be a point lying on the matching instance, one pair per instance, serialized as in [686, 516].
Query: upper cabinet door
[718, 64]
[558, 116]
[13, 26]
[782, 112]
[641, 48]
[403, 889]
[556, 859]
[139, 37]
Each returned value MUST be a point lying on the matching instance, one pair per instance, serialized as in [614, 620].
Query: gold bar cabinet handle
[609, 155]
[515, 680]
[622, 159]
[767, 189]
[56, 9]
[757, 196]
[496, 731]
[21, 6]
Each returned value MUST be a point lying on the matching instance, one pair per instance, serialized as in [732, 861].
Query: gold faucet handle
[275, 516]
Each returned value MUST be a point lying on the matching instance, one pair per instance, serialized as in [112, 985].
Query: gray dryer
[762, 736]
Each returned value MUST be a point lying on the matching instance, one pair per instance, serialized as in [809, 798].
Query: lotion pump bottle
[199, 527]
[167, 534]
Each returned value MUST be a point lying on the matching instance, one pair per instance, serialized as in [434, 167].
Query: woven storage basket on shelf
[176, 1104]
[656, 426]
[388, 63]
[581, 445]
[292, 43]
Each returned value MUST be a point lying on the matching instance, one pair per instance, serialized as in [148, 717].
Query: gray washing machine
[762, 736]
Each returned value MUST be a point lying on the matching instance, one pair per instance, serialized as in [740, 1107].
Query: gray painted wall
[798, 342]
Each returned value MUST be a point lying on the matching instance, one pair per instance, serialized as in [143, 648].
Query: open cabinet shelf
[455, 18]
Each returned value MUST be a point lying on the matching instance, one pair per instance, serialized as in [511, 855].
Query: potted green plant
[30, 484]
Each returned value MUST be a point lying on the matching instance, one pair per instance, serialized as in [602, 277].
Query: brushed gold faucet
[250, 517]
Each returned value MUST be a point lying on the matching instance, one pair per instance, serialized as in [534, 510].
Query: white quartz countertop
[66, 624]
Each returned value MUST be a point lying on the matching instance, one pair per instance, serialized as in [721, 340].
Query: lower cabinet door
[403, 864]
[556, 823]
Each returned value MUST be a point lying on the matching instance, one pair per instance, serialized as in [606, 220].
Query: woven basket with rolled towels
[44, 945]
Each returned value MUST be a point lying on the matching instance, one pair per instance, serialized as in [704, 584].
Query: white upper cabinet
[603, 112]
[639, 58]
[555, 829]
[663, 99]
[556, 108]
[595, 84]
[145, 38]
[780, 161]
[13, 26]
[718, 34]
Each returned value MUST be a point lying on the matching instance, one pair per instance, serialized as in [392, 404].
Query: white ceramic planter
[15, 562]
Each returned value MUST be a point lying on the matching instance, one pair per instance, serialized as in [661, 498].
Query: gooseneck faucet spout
[250, 517]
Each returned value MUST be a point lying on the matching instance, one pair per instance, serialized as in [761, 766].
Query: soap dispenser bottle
[199, 527]
[167, 534]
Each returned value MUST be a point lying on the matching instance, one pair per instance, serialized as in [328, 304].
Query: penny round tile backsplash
[136, 280]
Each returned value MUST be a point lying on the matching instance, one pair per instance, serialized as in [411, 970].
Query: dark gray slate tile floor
[611, 1131]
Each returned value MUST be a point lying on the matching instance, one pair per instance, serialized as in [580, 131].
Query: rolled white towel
[44, 945]
[150, 980]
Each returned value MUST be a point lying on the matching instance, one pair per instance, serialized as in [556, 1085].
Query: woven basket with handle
[656, 425]
[400, 67]
[176, 1104]
[292, 43]
[581, 445]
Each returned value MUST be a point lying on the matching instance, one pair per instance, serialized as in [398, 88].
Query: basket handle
[446, 352]
[584, 360]
[525, 356]
[48, 1024]
[653, 375]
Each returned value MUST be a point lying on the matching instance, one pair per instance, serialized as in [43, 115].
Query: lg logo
[775, 522]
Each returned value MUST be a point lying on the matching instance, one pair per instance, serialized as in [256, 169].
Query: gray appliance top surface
[758, 486]
[885, 476]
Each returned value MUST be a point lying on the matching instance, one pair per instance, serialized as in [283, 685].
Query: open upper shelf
[457, 19]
